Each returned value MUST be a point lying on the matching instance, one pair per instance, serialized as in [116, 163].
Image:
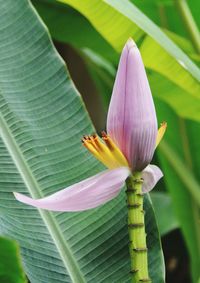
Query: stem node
[140, 249]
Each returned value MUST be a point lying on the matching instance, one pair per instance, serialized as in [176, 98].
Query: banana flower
[127, 147]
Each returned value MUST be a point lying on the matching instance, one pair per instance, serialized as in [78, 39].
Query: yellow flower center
[105, 151]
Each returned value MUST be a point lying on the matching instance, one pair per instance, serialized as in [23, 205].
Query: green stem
[136, 227]
[189, 23]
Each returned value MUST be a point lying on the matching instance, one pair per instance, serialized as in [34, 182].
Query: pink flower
[129, 146]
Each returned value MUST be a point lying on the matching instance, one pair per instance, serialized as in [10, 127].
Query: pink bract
[131, 121]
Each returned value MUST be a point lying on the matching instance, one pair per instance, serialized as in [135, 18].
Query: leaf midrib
[33, 187]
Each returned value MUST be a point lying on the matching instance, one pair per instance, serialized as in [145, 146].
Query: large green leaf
[10, 264]
[42, 120]
[181, 164]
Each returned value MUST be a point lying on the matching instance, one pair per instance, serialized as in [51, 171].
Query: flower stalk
[136, 228]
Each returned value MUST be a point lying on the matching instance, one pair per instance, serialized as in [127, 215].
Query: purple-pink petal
[84, 195]
[131, 121]
[151, 175]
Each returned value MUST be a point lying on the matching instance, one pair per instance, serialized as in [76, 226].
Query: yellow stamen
[93, 151]
[98, 150]
[108, 153]
[115, 150]
[161, 132]
[104, 151]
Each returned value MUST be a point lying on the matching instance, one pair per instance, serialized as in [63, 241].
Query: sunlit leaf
[184, 105]
[118, 20]
[164, 65]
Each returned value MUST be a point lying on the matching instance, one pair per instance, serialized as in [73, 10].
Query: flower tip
[20, 197]
[164, 124]
[163, 127]
[16, 195]
[130, 43]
